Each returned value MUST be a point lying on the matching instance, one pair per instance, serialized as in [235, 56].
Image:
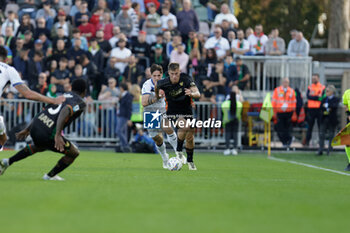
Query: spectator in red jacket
[86, 28]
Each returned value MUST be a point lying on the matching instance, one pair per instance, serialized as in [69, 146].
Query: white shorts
[2, 126]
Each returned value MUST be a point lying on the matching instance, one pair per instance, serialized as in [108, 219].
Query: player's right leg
[22, 154]
[158, 139]
[170, 133]
[71, 152]
[190, 149]
[181, 136]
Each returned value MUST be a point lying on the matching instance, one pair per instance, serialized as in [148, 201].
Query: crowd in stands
[53, 42]
[112, 43]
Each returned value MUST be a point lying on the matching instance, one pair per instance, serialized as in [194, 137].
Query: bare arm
[62, 119]
[193, 92]
[32, 95]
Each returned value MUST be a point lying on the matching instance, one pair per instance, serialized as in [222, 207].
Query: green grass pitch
[108, 192]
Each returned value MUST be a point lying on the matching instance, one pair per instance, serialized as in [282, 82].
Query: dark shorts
[45, 141]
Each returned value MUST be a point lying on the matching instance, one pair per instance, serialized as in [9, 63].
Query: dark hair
[124, 86]
[3, 52]
[75, 30]
[82, 58]
[64, 59]
[156, 67]
[134, 5]
[39, 53]
[316, 74]
[79, 86]
[173, 66]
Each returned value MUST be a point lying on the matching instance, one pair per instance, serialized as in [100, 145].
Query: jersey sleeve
[189, 81]
[13, 77]
[146, 89]
[75, 104]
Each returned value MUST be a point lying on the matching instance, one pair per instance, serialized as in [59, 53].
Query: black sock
[180, 144]
[189, 155]
[60, 166]
[22, 154]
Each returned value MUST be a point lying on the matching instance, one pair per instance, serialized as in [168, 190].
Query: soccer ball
[174, 164]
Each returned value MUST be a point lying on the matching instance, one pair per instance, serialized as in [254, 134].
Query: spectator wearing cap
[10, 40]
[25, 25]
[35, 66]
[141, 48]
[159, 57]
[60, 36]
[76, 52]
[87, 30]
[166, 16]
[83, 9]
[153, 23]
[38, 47]
[41, 28]
[122, 55]
[47, 13]
[62, 23]
[225, 14]
[187, 20]
[76, 34]
[257, 41]
[160, 41]
[240, 46]
[96, 17]
[96, 54]
[275, 46]
[155, 3]
[11, 21]
[179, 56]
[169, 5]
[19, 46]
[124, 21]
[116, 33]
[219, 43]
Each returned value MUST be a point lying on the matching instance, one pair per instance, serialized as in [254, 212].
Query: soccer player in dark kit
[46, 131]
[179, 89]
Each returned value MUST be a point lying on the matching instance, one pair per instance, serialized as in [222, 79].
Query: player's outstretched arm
[65, 113]
[32, 95]
[193, 92]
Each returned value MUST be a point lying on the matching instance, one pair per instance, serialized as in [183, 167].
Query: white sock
[162, 152]
[172, 139]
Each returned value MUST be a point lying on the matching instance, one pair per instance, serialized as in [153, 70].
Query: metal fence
[98, 123]
[267, 71]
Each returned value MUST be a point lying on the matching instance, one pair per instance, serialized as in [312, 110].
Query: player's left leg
[190, 149]
[22, 154]
[181, 136]
[71, 152]
[170, 133]
[3, 136]
[158, 139]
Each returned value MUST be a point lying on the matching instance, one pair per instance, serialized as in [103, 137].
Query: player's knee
[158, 140]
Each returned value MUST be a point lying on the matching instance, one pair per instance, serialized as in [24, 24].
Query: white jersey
[148, 89]
[8, 74]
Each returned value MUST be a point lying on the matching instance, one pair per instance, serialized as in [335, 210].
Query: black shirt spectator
[96, 55]
[61, 75]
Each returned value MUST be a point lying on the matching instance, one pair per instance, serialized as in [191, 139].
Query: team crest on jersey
[182, 83]
[76, 108]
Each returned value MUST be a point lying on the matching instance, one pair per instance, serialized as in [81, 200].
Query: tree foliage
[282, 14]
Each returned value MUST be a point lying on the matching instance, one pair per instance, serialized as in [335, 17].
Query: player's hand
[59, 100]
[161, 94]
[59, 143]
[188, 92]
[22, 135]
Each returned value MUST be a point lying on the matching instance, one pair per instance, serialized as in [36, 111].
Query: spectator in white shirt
[298, 47]
[166, 16]
[116, 33]
[257, 40]
[219, 43]
[179, 56]
[225, 14]
[240, 46]
[122, 55]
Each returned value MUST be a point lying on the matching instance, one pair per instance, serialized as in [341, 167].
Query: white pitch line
[309, 165]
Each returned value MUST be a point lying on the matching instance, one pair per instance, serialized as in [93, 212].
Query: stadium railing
[267, 71]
